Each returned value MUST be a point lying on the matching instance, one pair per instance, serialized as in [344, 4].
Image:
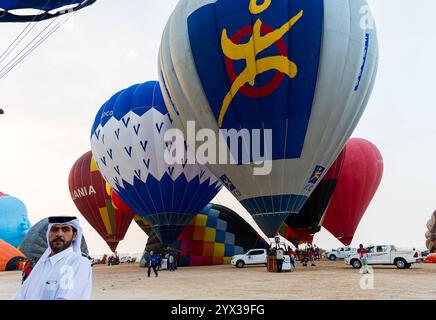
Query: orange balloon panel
[10, 257]
[431, 258]
[88, 191]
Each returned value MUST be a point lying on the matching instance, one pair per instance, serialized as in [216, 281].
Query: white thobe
[64, 276]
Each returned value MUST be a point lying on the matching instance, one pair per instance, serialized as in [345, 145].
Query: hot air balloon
[292, 78]
[360, 178]
[11, 258]
[212, 237]
[431, 233]
[35, 242]
[129, 147]
[88, 191]
[143, 224]
[431, 258]
[296, 237]
[14, 222]
[311, 215]
[12, 10]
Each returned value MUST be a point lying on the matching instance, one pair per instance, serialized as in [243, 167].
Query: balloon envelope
[129, 147]
[10, 257]
[14, 222]
[46, 9]
[88, 191]
[360, 178]
[431, 233]
[311, 215]
[35, 242]
[431, 258]
[295, 236]
[292, 77]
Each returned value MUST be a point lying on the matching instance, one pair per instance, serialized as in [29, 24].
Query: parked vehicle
[386, 255]
[127, 259]
[252, 257]
[340, 253]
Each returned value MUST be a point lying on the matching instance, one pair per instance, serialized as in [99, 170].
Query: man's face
[60, 237]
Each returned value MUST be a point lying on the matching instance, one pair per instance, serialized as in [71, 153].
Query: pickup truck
[254, 256]
[340, 253]
[386, 255]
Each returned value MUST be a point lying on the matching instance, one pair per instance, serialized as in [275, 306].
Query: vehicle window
[381, 249]
[347, 249]
[341, 249]
[255, 252]
[370, 250]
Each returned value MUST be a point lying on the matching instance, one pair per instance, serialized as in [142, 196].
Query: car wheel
[240, 264]
[400, 263]
[356, 264]
[332, 257]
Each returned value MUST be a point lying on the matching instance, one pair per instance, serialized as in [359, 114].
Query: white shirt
[64, 276]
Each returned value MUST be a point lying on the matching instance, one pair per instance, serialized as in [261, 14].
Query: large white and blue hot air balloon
[303, 69]
[128, 146]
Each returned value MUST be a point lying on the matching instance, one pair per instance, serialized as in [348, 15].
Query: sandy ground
[328, 280]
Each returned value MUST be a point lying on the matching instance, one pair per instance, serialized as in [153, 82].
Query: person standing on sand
[363, 255]
[311, 254]
[292, 258]
[171, 262]
[279, 258]
[153, 263]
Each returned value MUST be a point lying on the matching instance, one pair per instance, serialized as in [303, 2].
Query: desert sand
[327, 280]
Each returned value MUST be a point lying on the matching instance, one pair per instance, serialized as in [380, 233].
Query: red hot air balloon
[88, 191]
[360, 178]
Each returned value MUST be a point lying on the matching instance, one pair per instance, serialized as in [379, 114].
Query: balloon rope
[5, 54]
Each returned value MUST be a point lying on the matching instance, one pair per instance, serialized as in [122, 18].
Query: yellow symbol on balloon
[228, 183]
[256, 9]
[251, 49]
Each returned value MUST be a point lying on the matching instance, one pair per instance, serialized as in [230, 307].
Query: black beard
[57, 249]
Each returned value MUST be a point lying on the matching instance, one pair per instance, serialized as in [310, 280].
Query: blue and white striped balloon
[128, 146]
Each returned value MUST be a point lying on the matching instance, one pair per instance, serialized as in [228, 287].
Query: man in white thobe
[61, 273]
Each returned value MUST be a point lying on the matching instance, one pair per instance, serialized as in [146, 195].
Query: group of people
[309, 254]
[113, 260]
[153, 261]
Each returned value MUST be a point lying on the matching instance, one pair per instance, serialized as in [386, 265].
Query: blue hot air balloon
[11, 10]
[128, 146]
[14, 222]
[292, 78]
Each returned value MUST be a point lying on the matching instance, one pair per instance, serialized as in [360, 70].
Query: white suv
[341, 253]
[254, 256]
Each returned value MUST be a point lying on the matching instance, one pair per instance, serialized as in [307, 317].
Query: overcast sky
[52, 97]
